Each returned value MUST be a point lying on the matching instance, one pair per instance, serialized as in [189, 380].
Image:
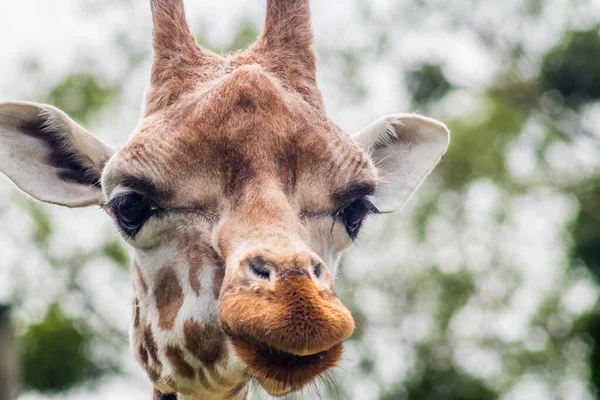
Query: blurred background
[484, 287]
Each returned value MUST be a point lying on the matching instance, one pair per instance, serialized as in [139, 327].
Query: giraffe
[236, 195]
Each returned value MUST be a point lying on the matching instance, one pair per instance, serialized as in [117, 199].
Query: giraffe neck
[175, 335]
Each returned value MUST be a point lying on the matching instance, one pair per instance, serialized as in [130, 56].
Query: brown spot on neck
[138, 274]
[240, 391]
[143, 354]
[203, 379]
[194, 272]
[200, 255]
[153, 374]
[181, 367]
[206, 342]
[196, 254]
[136, 313]
[169, 297]
[152, 371]
[151, 346]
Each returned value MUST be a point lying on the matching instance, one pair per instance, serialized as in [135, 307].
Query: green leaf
[427, 83]
[115, 250]
[82, 96]
[55, 354]
[479, 143]
[572, 67]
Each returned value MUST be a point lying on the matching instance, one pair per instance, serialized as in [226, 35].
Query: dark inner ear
[61, 153]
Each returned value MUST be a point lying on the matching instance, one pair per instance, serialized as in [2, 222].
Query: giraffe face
[237, 215]
[236, 194]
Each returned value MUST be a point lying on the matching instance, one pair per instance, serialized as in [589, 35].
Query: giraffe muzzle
[287, 333]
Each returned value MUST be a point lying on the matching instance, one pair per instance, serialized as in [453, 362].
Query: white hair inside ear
[405, 148]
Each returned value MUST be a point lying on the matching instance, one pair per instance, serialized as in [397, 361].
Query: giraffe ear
[49, 156]
[405, 148]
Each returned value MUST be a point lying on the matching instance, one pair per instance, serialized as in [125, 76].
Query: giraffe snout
[292, 305]
[285, 322]
[264, 271]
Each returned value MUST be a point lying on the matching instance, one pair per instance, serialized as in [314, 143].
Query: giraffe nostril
[318, 269]
[259, 269]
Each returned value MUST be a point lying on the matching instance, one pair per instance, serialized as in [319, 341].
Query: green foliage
[593, 330]
[55, 354]
[479, 143]
[443, 384]
[586, 238]
[572, 67]
[115, 250]
[427, 83]
[456, 290]
[586, 232]
[82, 96]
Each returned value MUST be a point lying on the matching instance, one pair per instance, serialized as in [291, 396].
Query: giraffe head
[237, 195]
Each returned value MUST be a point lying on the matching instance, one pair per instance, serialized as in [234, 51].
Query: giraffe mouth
[280, 372]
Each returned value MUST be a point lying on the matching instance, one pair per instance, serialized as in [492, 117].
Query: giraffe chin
[280, 372]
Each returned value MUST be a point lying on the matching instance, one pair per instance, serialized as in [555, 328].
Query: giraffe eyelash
[131, 210]
[354, 214]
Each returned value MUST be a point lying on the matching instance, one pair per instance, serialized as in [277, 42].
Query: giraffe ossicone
[237, 195]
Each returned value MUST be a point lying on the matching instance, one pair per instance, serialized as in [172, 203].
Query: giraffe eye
[353, 215]
[131, 211]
